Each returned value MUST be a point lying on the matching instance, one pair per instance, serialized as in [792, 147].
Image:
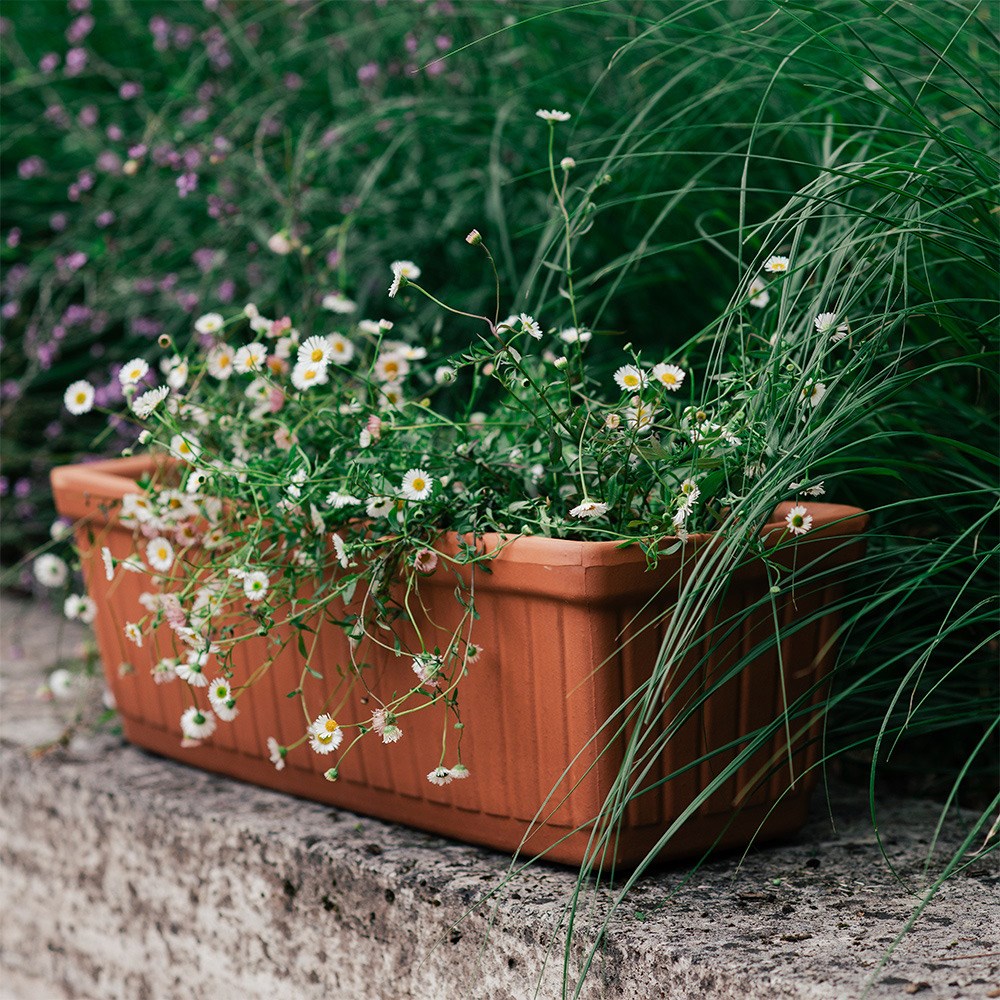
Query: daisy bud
[561, 362]
[474, 239]
[567, 163]
[164, 340]
[130, 168]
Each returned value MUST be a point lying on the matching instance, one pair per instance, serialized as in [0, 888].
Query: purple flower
[48, 62]
[72, 262]
[10, 389]
[32, 166]
[293, 81]
[76, 61]
[114, 133]
[76, 6]
[58, 332]
[167, 282]
[4, 486]
[186, 184]
[188, 301]
[436, 68]
[443, 43]
[184, 36]
[109, 162]
[59, 221]
[129, 90]
[144, 286]
[16, 274]
[368, 73]
[76, 314]
[204, 259]
[56, 114]
[192, 158]
[79, 29]
[85, 180]
[105, 219]
[226, 292]
[52, 430]
[10, 309]
[22, 489]
[146, 326]
[47, 354]
[88, 115]
[333, 259]
[330, 136]
[411, 43]
[14, 237]
[166, 156]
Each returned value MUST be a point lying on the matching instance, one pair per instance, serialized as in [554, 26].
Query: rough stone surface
[128, 876]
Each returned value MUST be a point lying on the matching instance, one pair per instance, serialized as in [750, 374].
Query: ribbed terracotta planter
[554, 667]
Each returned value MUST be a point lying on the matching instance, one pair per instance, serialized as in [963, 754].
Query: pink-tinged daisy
[630, 378]
[669, 376]
[417, 485]
[589, 509]
[425, 561]
[325, 735]
[165, 670]
[79, 397]
[472, 652]
[384, 723]
[197, 724]
[440, 776]
[276, 753]
[553, 115]
[799, 520]
[427, 666]
[459, 772]
[776, 265]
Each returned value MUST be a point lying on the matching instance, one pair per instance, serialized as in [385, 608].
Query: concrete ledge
[129, 876]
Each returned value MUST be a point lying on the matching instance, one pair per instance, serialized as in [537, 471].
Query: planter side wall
[552, 671]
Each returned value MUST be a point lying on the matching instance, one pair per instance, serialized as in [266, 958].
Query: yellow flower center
[668, 378]
[330, 725]
[418, 484]
[311, 374]
[338, 347]
[317, 354]
[161, 553]
[630, 380]
[81, 397]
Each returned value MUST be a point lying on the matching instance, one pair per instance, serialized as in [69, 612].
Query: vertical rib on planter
[569, 631]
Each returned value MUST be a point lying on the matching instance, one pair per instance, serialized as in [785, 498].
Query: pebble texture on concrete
[128, 876]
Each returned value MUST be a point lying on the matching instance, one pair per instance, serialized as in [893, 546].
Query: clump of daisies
[329, 459]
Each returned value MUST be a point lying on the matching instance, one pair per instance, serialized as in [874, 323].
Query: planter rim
[112, 479]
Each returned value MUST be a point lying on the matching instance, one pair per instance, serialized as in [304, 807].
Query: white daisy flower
[640, 416]
[219, 695]
[572, 335]
[337, 500]
[840, 333]
[630, 378]
[427, 666]
[280, 244]
[132, 372]
[197, 724]
[816, 490]
[60, 530]
[416, 485]
[379, 506]
[341, 349]
[79, 397]
[79, 607]
[799, 520]
[325, 735]
[553, 115]
[226, 710]
[145, 403]
[775, 265]
[255, 585]
[192, 669]
[812, 392]
[529, 326]
[62, 683]
[109, 563]
[444, 375]
[402, 272]
[689, 493]
[177, 376]
[316, 350]
[209, 323]
[759, 295]
[589, 509]
[825, 322]
[250, 358]
[338, 303]
[185, 446]
[276, 752]
[133, 633]
[669, 376]
[392, 367]
[219, 361]
[307, 374]
[340, 549]
[440, 776]
[160, 554]
[459, 772]
[50, 570]
[390, 398]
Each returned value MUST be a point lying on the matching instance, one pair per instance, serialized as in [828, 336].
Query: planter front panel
[554, 668]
